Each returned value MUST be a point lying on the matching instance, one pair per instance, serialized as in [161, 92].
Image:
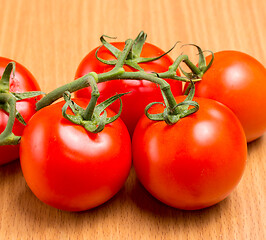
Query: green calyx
[94, 122]
[197, 71]
[8, 104]
[172, 115]
[133, 58]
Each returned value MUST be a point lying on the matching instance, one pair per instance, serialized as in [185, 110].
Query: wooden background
[50, 37]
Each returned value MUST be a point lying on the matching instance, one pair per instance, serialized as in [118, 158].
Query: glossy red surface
[70, 168]
[194, 163]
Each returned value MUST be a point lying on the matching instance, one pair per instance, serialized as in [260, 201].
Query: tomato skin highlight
[142, 93]
[24, 81]
[69, 168]
[238, 81]
[194, 163]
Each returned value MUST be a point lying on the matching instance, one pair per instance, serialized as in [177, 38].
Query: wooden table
[50, 37]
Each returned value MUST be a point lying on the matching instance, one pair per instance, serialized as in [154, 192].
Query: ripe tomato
[69, 168]
[238, 81]
[142, 93]
[23, 82]
[194, 163]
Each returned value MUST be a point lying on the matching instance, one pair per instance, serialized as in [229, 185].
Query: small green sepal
[26, 95]
[99, 117]
[4, 81]
[133, 58]
[181, 108]
[198, 71]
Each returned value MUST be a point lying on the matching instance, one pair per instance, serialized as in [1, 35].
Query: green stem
[171, 73]
[192, 67]
[140, 75]
[7, 137]
[123, 56]
[118, 72]
[88, 113]
[114, 73]
[58, 93]
[118, 69]
[85, 80]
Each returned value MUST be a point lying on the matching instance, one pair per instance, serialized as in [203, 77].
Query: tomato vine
[118, 72]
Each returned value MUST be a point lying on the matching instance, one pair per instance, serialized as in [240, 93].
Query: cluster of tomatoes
[192, 164]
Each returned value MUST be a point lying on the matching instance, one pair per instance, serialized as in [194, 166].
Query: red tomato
[194, 163]
[142, 93]
[23, 82]
[238, 81]
[69, 168]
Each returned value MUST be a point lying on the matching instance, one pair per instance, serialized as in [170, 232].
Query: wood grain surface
[50, 37]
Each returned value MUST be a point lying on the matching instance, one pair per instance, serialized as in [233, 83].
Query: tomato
[69, 168]
[194, 163]
[142, 93]
[23, 82]
[238, 81]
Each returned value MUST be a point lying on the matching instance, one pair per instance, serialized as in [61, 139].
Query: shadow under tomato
[257, 143]
[9, 170]
[34, 211]
[132, 201]
[154, 209]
